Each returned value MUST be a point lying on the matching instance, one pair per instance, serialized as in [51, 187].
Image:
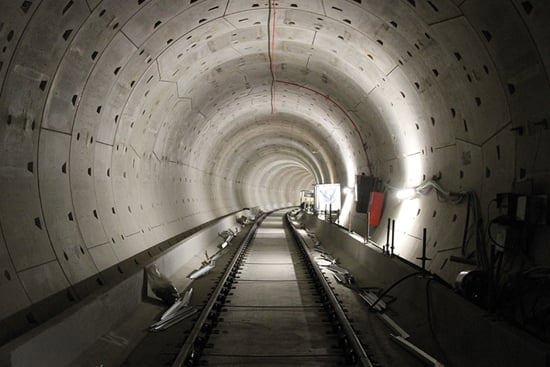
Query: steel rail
[189, 352]
[350, 334]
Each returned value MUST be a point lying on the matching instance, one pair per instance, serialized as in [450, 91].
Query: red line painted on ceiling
[272, 20]
[272, 17]
[327, 97]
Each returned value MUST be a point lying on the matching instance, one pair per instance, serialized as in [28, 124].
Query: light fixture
[404, 194]
[346, 190]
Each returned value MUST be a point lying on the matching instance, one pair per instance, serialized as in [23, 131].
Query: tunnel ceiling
[125, 123]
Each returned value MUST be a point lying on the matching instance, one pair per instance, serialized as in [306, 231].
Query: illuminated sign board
[327, 197]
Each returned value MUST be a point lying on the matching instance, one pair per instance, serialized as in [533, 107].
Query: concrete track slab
[273, 332]
[275, 232]
[290, 361]
[269, 257]
[271, 272]
[277, 294]
[270, 245]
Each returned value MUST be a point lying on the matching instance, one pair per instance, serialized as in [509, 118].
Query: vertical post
[424, 249]
[392, 236]
[424, 246]
[330, 212]
[491, 281]
[388, 230]
[466, 225]
[350, 220]
[368, 228]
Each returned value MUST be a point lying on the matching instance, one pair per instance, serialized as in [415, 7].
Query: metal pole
[424, 246]
[392, 236]
[339, 313]
[424, 249]
[189, 345]
[466, 225]
[368, 228]
[387, 247]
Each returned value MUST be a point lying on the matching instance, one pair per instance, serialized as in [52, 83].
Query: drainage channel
[272, 307]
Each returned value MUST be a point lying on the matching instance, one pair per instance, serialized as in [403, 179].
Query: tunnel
[132, 128]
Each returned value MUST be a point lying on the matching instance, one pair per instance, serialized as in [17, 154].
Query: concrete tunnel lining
[121, 118]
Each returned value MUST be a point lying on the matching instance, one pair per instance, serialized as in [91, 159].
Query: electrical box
[472, 284]
[532, 209]
[364, 186]
[376, 206]
[507, 204]
[537, 209]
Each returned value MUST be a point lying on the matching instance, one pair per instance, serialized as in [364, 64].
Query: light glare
[405, 194]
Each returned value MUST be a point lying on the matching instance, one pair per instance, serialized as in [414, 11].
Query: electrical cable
[429, 308]
[491, 235]
[430, 321]
[465, 237]
[537, 149]
[481, 253]
[536, 269]
[456, 198]
[498, 262]
[489, 207]
[394, 285]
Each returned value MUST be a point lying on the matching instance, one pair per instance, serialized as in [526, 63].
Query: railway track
[272, 307]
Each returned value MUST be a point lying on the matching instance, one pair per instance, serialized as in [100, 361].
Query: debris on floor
[203, 270]
[371, 298]
[160, 285]
[179, 311]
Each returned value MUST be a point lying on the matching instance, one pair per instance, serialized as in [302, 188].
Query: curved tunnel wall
[124, 123]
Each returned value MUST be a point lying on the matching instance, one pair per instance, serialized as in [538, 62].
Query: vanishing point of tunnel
[319, 182]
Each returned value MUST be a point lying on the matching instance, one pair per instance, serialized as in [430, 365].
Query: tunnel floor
[274, 315]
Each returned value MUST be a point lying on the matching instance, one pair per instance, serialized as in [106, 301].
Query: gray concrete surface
[272, 323]
[106, 327]
[126, 123]
[463, 333]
